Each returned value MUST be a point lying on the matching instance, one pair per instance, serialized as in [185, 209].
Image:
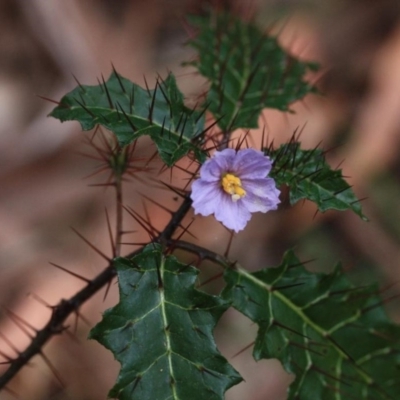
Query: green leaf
[334, 337]
[308, 176]
[130, 112]
[161, 333]
[247, 69]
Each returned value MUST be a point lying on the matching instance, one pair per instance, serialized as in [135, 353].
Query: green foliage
[334, 337]
[161, 332]
[308, 176]
[130, 111]
[247, 69]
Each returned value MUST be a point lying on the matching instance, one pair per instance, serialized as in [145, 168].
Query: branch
[202, 252]
[66, 307]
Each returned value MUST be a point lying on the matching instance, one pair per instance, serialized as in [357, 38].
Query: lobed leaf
[161, 333]
[130, 111]
[308, 176]
[248, 71]
[334, 337]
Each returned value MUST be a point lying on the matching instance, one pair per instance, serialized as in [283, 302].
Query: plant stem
[118, 229]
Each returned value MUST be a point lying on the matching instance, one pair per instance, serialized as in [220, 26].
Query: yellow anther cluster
[233, 186]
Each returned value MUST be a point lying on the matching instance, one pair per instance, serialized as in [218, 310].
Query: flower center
[233, 186]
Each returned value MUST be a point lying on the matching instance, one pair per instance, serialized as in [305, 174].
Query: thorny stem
[65, 308]
[175, 220]
[203, 253]
[118, 229]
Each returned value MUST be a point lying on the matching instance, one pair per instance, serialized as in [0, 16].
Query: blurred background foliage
[43, 193]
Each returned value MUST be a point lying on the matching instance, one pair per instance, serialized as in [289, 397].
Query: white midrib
[167, 338]
[304, 317]
[154, 123]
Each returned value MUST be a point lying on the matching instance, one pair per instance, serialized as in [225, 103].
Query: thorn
[153, 99]
[187, 170]
[321, 371]
[286, 286]
[380, 303]
[228, 247]
[10, 343]
[180, 120]
[136, 382]
[108, 184]
[40, 300]
[301, 263]
[139, 220]
[21, 323]
[85, 108]
[132, 99]
[202, 113]
[156, 203]
[146, 213]
[315, 214]
[209, 280]
[301, 346]
[241, 141]
[341, 190]
[71, 273]
[113, 248]
[107, 289]
[178, 191]
[107, 93]
[79, 84]
[275, 322]
[186, 229]
[118, 77]
[134, 129]
[84, 319]
[54, 101]
[243, 350]
[359, 200]
[211, 126]
[52, 369]
[73, 337]
[329, 337]
[185, 267]
[165, 96]
[147, 86]
[92, 246]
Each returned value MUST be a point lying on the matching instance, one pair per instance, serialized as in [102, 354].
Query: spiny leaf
[161, 333]
[247, 69]
[308, 176]
[334, 337]
[130, 111]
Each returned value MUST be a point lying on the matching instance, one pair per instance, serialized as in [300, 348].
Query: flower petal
[225, 159]
[250, 163]
[258, 204]
[206, 197]
[263, 188]
[261, 195]
[211, 171]
[233, 215]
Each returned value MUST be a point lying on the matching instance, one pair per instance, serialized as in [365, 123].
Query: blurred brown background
[43, 193]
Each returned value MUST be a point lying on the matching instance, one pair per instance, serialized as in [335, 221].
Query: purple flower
[233, 185]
